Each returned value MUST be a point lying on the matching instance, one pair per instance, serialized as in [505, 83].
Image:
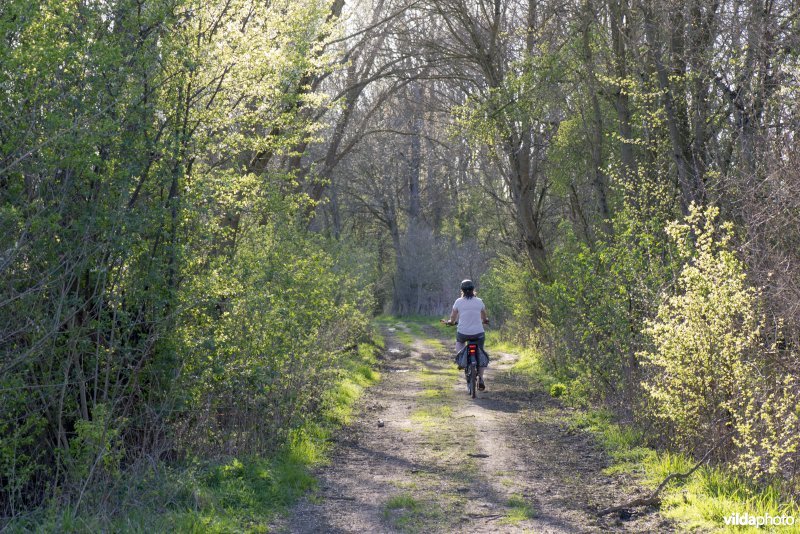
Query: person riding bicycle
[470, 314]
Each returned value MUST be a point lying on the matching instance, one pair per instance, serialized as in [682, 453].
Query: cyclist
[470, 314]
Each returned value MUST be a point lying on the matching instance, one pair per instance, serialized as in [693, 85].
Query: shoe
[481, 385]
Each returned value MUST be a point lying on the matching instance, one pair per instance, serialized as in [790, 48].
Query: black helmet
[466, 285]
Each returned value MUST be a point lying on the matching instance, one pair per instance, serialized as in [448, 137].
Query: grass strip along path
[421, 456]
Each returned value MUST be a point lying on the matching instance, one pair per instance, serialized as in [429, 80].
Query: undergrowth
[230, 495]
[702, 502]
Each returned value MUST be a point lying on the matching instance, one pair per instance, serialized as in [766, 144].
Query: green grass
[410, 328]
[406, 338]
[404, 512]
[529, 363]
[357, 374]
[410, 514]
[432, 394]
[244, 494]
[231, 495]
[519, 509]
[699, 503]
[436, 345]
[435, 411]
[405, 501]
[432, 415]
[416, 323]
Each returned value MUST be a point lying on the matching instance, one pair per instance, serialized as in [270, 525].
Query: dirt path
[442, 462]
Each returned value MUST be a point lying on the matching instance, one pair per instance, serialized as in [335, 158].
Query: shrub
[97, 445]
[557, 390]
[708, 375]
[266, 341]
[593, 309]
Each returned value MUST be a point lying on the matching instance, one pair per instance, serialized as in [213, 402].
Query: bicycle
[471, 370]
[470, 363]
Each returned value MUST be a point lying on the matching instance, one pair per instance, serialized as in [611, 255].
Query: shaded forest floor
[508, 461]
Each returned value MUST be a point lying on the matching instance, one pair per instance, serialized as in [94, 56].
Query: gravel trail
[421, 456]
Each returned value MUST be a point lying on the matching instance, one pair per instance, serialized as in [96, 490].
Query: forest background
[202, 204]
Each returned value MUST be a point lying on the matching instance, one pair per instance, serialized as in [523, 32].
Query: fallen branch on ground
[653, 499]
[490, 516]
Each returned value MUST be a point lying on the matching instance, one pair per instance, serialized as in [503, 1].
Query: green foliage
[707, 381]
[240, 493]
[700, 502]
[507, 288]
[83, 293]
[97, 445]
[237, 494]
[266, 341]
[20, 461]
[557, 390]
[588, 317]
[524, 94]
[702, 332]
[159, 288]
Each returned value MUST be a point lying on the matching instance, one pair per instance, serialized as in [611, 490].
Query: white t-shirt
[469, 315]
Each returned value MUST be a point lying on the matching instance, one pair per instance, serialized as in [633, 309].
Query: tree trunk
[618, 14]
[599, 178]
[523, 185]
[690, 188]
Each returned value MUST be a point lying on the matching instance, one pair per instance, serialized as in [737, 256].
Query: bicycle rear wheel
[473, 379]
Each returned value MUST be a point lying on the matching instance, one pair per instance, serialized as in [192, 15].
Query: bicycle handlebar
[448, 323]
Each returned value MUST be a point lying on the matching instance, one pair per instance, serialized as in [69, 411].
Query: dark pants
[480, 338]
[462, 338]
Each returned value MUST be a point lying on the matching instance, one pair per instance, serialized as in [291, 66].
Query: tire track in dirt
[442, 462]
